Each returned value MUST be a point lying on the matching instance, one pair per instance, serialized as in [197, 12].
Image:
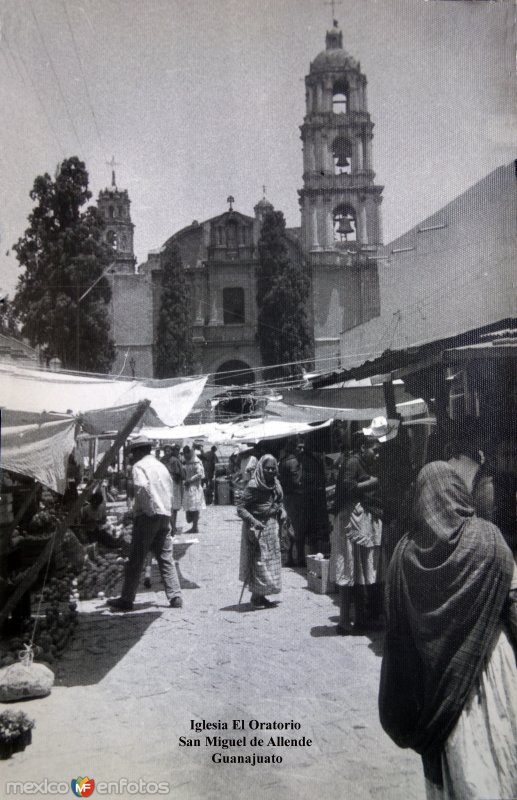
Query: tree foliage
[174, 347]
[9, 323]
[283, 288]
[63, 255]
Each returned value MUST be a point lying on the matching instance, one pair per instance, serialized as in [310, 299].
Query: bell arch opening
[345, 225]
[111, 239]
[340, 97]
[342, 154]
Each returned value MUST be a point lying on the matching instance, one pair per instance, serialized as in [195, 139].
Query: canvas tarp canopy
[358, 400]
[37, 445]
[251, 431]
[42, 391]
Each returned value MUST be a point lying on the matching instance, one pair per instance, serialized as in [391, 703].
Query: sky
[201, 99]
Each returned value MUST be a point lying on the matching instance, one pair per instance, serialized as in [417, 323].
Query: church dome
[333, 60]
[265, 205]
[334, 57]
[262, 208]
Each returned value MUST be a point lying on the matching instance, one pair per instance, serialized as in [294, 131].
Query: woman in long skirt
[261, 510]
[193, 494]
[356, 539]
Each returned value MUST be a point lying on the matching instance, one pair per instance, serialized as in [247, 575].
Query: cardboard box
[318, 575]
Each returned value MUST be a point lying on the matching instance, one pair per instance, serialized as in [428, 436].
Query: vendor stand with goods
[42, 558]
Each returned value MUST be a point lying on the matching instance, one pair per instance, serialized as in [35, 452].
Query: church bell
[342, 161]
[345, 226]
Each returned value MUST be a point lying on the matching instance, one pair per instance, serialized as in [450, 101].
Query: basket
[318, 575]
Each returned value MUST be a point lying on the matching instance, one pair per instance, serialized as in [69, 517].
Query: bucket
[223, 491]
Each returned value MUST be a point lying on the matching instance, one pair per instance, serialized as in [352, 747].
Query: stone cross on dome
[333, 4]
[113, 164]
[230, 200]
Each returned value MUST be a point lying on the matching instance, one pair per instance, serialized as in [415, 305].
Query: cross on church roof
[113, 164]
[333, 4]
[230, 200]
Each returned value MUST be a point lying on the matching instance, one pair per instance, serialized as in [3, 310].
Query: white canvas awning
[38, 446]
[66, 393]
[249, 432]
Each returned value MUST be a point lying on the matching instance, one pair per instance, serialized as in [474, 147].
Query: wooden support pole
[62, 526]
[389, 399]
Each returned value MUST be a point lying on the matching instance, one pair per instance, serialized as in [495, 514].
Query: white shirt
[153, 487]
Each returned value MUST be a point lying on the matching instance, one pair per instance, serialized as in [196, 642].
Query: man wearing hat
[382, 429]
[151, 527]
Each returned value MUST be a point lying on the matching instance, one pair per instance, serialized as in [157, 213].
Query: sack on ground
[21, 682]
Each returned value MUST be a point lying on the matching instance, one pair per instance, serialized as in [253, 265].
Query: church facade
[338, 239]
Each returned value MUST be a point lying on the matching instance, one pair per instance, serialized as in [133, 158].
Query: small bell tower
[339, 201]
[114, 206]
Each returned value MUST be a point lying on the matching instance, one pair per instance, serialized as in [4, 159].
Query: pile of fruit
[55, 624]
[101, 573]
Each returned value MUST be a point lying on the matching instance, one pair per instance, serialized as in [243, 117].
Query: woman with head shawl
[356, 541]
[261, 509]
[448, 680]
[193, 495]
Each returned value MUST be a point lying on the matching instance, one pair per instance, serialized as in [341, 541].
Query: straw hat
[382, 429]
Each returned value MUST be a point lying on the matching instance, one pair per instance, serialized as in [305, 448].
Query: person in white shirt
[151, 527]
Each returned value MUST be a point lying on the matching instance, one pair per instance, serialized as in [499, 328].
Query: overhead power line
[56, 77]
[42, 106]
[83, 75]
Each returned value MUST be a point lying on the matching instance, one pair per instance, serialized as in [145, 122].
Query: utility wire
[52, 67]
[79, 61]
[44, 110]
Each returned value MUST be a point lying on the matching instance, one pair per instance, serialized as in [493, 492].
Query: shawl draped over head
[260, 499]
[446, 586]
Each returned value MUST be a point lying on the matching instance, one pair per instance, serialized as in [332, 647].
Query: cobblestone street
[129, 686]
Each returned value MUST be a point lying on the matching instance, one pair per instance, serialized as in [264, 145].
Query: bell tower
[114, 206]
[339, 201]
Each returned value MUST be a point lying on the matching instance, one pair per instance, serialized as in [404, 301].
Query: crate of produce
[318, 578]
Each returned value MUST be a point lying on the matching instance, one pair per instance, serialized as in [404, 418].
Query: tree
[282, 293]
[63, 255]
[174, 348]
[9, 324]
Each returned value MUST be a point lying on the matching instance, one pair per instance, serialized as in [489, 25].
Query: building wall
[451, 273]
[132, 324]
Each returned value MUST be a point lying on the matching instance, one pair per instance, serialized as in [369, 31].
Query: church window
[111, 238]
[345, 227]
[220, 236]
[342, 153]
[231, 235]
[340, 98]
[121, 211]
[111, 212]
[233, 305]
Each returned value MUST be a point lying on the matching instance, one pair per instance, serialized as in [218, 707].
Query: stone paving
[130, 685]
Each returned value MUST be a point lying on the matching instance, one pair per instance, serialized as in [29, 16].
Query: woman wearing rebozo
[193, 495]
[261, 510]
[448, 679]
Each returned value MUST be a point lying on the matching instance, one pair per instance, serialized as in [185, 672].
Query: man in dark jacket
[302, 476]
